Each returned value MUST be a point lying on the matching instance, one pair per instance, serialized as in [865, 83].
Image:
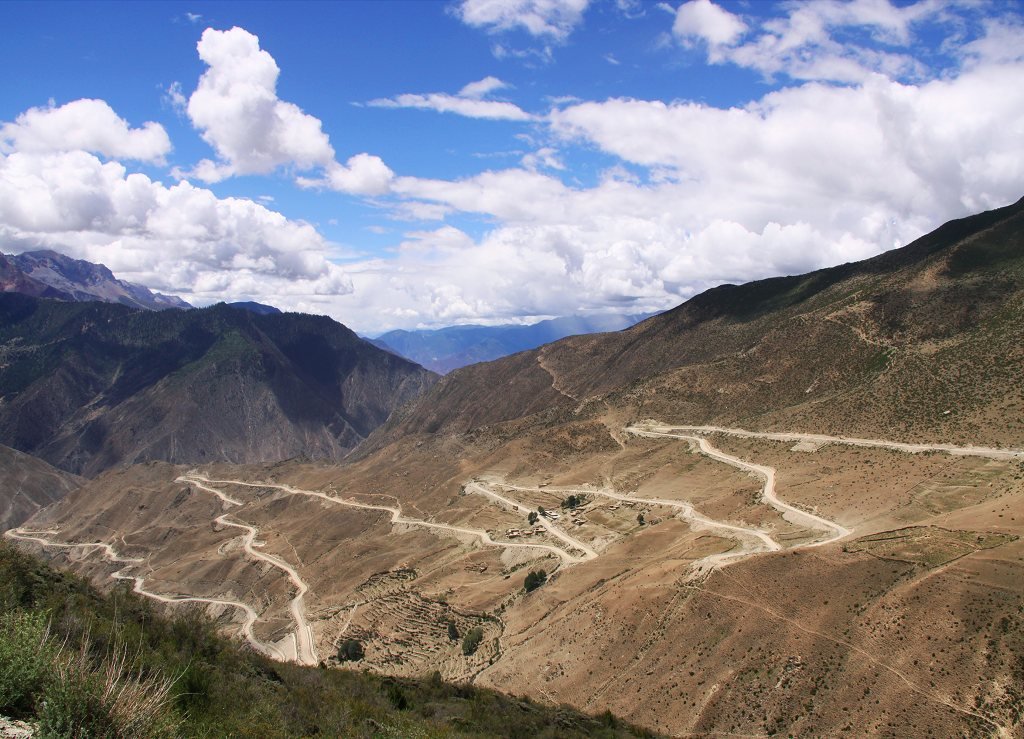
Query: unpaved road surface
[305, 651]
[396, 516]
[109, 553]
[483, 489]
[899, 446]
[767, 474]
[305, 648]
[752, 541]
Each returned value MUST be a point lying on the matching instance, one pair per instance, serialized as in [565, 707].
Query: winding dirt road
[766, 473]
[481, 488]
[109, 553]
[656, 427]
[305, 647]
[763, 542]
[396, 516]
[752, 540]
[305, 650]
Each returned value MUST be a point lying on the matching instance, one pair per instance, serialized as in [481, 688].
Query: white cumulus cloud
[363, 174]
[89, 125]
[805, 177]
[181, 239]
[548, 18]
[703, 19]
[813, 40]
[237, 111]
[482, 88]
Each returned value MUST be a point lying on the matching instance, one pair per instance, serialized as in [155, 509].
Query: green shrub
[453, 631]
[85, 699]
[73, 707]
[396, 696]
[26, 654]
[535, 579]
[350, 650]
[472, 640]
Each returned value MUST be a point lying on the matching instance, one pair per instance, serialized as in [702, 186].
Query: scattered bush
[350, 650]
[397, 697]
[220, 689]
[453, 631]
[535, 579]
[26, 655]
[472, 640]
[73, 694]
[88, 700]
[640, 518]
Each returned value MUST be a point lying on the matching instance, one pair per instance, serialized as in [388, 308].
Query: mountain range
[784, 507]
[29, 485]
[48, 274]
[445, 349]
[877, 347]
[86, 386]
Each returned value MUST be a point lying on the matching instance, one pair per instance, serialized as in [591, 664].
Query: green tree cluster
[350, 650]
[535, 579]
[471, 641]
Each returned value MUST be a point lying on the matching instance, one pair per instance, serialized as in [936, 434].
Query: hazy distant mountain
[49, 274]
[252, 306]
[443, 350]
[87, 386]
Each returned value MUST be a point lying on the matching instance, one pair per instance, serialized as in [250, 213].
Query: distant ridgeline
[921, 342]
[445, 349]
[87, 386]
[47, 274]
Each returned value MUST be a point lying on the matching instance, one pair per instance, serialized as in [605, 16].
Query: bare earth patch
[927, 545]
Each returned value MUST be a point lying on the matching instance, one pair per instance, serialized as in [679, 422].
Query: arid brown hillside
[919, 343]
[87, 386]
[28, 485]
[700, 581]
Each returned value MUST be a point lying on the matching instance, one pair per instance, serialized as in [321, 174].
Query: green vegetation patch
[350, 650]
[880, 361]
[471, 641]
[534, 580]
[930, 546]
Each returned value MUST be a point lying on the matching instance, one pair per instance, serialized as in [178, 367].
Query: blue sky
[404, 164]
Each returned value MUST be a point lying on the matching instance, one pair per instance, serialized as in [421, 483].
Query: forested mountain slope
[86, 386]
